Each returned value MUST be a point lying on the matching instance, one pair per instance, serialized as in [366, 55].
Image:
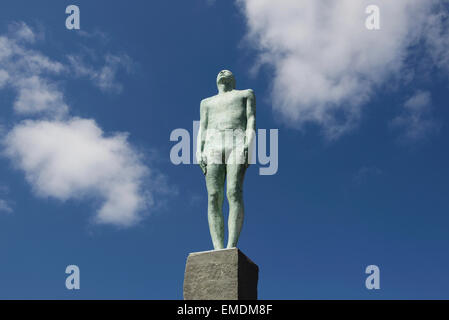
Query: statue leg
[215, 179]
[234, 192]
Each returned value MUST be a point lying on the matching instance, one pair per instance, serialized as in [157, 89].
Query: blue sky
[86, 116]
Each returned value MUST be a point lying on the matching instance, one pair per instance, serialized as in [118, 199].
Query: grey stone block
[225, 274]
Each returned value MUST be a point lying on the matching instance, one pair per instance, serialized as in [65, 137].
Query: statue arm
[201, 139]
[250, 122]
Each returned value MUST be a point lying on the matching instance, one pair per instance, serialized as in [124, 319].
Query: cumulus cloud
[96, 35]
[73, 159]
[22, 32]
[104, 77]
[4, 76]
[16, 56]
[4, 206]
[23, 69]
[416, 121]
[66, 157]
[437, 36]
[36, 95]
[326, 63]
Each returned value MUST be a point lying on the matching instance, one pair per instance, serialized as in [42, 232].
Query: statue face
[226, 77]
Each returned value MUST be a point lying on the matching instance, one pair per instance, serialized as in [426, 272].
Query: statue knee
[234, 194]
[214, 197]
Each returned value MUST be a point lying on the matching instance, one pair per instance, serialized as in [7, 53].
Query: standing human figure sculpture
[225, 136]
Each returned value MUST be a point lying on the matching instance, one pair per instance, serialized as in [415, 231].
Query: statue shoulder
[204, 103]
[207, 101]
[248, 93]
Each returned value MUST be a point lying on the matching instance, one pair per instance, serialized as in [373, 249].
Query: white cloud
[65, 157]
[4, 76]
[437, 36]
[36, 95]
[326, 63]
[416, 121]
[22, 32]
[74, 159]
[16, 56]
[23, 69]
[4, 207]
[27, 70]
[104, 77]
[96, 35]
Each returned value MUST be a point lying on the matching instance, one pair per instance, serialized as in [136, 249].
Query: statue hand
[202, 162]
[246, 157]
[203, 167]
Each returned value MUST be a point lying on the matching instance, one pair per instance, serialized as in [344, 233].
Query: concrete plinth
[225, 274]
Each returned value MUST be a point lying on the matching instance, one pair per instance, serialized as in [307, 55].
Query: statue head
[226, 80]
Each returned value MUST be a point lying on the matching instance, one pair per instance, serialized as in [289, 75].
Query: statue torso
[227, 110]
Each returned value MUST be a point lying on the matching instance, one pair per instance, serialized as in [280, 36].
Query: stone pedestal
[225, 274]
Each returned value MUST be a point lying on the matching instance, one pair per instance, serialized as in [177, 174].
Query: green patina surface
[227, 130]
